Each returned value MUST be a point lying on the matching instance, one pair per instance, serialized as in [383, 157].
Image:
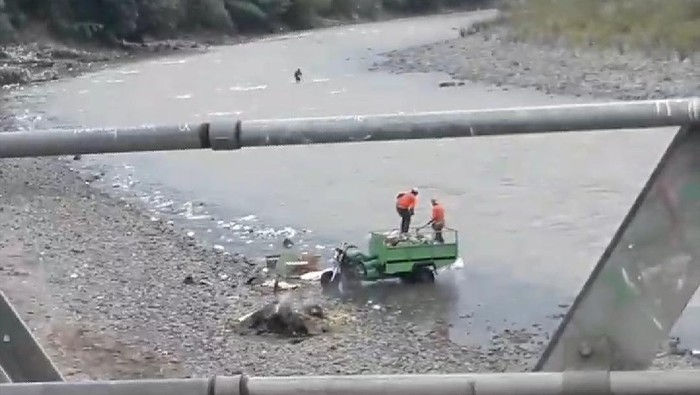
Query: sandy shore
[100, 281]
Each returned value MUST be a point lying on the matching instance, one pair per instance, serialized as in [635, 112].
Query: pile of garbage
[396, 238]
[284, 319]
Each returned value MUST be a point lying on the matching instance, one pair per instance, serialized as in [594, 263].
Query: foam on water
[247, 88]
[224, 113]
[171, 62]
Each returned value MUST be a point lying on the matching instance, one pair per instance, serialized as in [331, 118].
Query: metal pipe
[471, 123]
[102, 140]
[231, 135]
[571, 382]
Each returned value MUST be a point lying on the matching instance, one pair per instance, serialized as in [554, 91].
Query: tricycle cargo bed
[391, 249]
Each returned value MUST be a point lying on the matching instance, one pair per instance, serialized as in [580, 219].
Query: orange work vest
[406, 201]
[438, 213]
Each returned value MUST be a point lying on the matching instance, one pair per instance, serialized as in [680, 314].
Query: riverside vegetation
[134, 19]
[626, 25]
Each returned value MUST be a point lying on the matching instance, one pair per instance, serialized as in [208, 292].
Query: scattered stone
[66, 53]
[206, 282]
[254, 281]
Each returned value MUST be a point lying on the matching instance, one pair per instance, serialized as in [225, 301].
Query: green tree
[160, 17]
[120, 17]
[247, 16]
[7, 31]
[208, 14]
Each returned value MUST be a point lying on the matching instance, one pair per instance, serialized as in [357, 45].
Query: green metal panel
[372, 266]
[399, 267]
[402, 257]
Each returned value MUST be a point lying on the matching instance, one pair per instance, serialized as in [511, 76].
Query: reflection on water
[473, 304]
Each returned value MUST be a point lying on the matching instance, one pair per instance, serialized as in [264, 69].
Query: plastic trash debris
[312, 276]
[283, 285]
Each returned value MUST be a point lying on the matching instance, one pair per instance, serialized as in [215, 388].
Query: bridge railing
[571, 382]
[236, 134]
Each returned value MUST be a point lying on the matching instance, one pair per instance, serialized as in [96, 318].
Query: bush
[649, 24]
[7, 31]
[130, 19]
[160, 17]
[343, 8]
[120, 17]
[303, 14]
[420, 6]
[208, 14]
[247, 16]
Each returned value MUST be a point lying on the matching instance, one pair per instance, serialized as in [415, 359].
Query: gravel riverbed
[493, 57]
[100, 280]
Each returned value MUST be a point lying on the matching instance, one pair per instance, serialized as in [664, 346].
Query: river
[534, 212]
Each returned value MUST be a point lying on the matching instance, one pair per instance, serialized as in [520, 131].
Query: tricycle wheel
[424, 274]
[329, 285]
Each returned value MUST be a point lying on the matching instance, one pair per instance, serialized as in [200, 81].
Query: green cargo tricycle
[413, 258]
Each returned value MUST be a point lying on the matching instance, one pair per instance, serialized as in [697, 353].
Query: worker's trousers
[437, 227]
[405, 215]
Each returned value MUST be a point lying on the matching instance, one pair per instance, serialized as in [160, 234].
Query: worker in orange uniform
[405, 206]
[437, 221]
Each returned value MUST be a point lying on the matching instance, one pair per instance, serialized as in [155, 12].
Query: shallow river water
[534, 212]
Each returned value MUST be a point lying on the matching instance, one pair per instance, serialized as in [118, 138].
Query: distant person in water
[297, 75]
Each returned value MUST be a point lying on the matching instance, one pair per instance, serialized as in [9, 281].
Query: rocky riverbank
[39, 62]
[113, 292]
[492, 56]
